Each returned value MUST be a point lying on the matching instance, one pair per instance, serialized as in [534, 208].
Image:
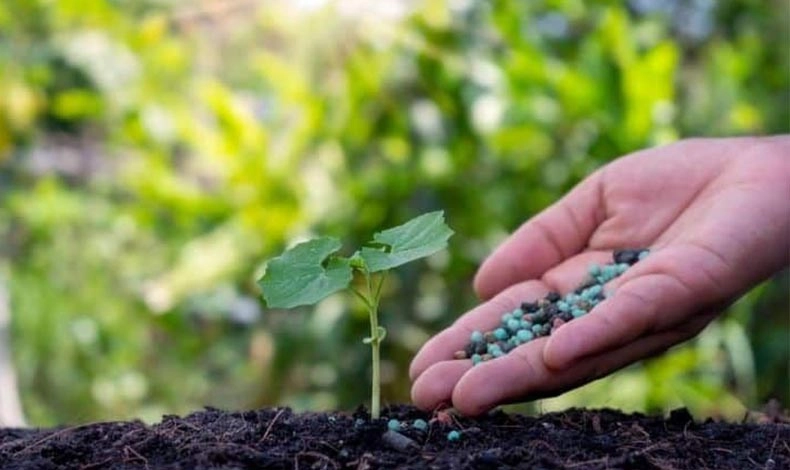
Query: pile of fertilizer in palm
[532, 320]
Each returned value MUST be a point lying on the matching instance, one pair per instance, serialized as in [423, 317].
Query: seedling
[311, 271]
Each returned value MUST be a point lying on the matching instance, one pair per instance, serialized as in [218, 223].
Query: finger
[654, 295]
[522, 375]
[546, 240]
[435, 386]
[484, 317]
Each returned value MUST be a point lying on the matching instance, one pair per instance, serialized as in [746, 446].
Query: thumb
[546, 240]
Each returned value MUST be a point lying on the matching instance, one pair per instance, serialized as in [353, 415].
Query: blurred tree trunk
[10, 406]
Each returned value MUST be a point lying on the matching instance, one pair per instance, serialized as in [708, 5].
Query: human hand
[715, 214]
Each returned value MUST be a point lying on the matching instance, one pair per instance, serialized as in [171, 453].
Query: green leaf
[305, 274]
[420, 237]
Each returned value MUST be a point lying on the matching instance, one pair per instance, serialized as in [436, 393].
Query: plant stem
[370, 299]
[362, 298]
[375, 392]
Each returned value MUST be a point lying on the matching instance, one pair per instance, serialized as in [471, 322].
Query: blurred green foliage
[153, 152]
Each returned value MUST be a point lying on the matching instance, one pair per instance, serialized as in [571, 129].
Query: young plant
[310, 271]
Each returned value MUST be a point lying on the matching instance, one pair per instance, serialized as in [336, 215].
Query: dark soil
[278, 438]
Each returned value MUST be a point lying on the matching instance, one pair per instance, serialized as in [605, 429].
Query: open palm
[715, 214]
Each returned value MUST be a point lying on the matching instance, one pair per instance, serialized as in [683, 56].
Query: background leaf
[299, 277]
[420, 237]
